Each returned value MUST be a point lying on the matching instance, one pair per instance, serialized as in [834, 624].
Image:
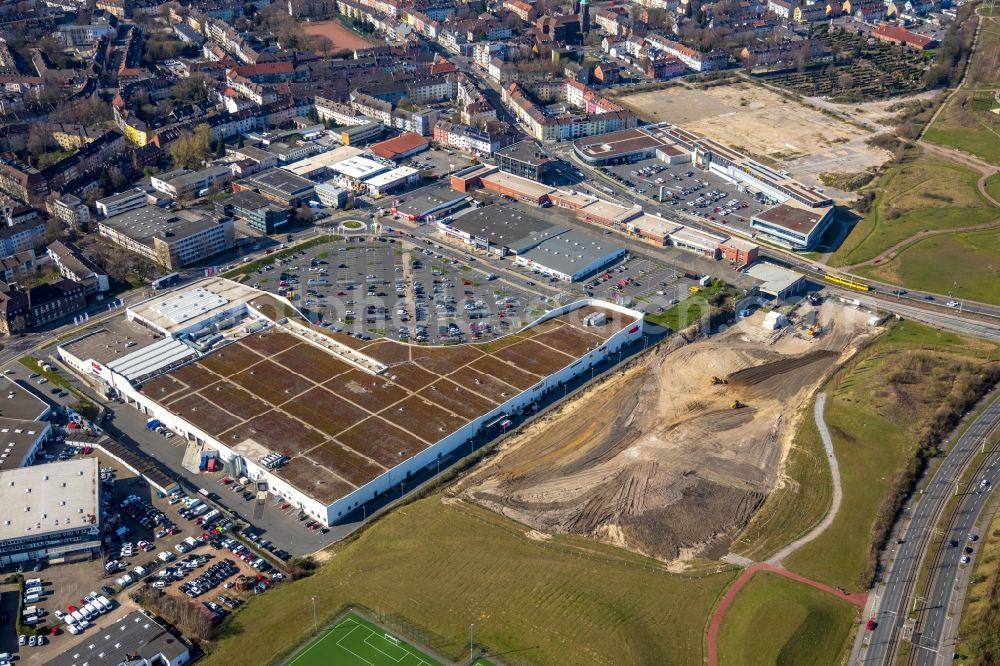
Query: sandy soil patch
[654, 459]
[339, 36]
[764, 124]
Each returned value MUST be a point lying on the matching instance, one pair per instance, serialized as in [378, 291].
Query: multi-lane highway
[895, 595]
[936, 619]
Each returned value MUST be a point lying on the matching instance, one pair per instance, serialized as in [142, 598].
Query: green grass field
[939, 263]
[921, 193]
[967, 123]
[443, 565]
[800, 500]
[877, 406]
[774, 620]
[681, 315]
[355, 641]
[993, 186]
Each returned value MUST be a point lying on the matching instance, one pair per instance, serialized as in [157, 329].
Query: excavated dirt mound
[655, 459]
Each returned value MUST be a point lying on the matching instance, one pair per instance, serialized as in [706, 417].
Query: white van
[95, 609]
[32, 598]
[88, 612]
[104, 602]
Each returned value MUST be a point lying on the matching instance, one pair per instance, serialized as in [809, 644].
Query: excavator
[719, 380]
[737, 405]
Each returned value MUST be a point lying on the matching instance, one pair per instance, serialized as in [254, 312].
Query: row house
[22, 237]
[613, 21]
[484, 52]
[910, 9]
[471, 139]
[665, 67]
[22, 183]
[19, 266]
[694, 60]
[502, 72]
[25, 309]
[257, 93]
[267, 72]
[370, 106]
[809, 13]
[781, 8]
[523, 10]
[329, 111]
[422, 23]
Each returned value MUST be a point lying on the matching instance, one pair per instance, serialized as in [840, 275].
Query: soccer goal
[392, 639]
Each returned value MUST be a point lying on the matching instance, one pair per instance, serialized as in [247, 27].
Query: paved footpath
[838, 494]
[773, 565]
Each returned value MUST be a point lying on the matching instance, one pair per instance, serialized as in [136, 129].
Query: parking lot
[403, 291]
[145, 535]
[683, 186]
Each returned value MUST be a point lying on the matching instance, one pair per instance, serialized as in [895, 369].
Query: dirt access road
[654, 459]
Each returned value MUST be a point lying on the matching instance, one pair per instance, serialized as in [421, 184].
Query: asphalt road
[931, 308]
[894, 594]
[934, 630]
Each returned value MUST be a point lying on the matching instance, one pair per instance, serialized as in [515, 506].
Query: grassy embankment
[887, 410]
[774, 620]
[979, 632]
[920, 193]
[968, 122]
[443, 566]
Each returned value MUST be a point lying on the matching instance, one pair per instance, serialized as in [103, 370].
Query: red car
[871, 624]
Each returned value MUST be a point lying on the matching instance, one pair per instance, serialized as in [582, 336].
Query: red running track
[856, 598]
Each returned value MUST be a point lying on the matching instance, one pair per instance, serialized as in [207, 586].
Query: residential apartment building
[122, 202]
[19, 266]
[173, 239]
[71, 210]
[184, 184]
[25, 309]
[73, 265]
[22, 237]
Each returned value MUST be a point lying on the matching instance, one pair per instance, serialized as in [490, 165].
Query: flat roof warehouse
[288, 396]
[355, 417]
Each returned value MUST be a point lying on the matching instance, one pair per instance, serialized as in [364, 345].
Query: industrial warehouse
[329, 421]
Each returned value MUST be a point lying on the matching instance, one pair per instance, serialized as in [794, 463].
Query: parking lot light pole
[315, 623]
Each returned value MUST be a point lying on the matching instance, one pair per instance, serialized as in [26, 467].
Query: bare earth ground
[339, 36]
[654, 459]
[762, 123]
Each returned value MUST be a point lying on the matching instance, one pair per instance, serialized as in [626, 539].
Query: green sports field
[354, 641]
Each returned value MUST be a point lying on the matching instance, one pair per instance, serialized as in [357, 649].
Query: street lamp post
[471, 626]
[315, 622]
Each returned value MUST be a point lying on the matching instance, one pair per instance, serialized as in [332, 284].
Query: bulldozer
[737, 405]
[719, 380]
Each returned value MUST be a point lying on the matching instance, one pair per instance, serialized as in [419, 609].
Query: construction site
[672, 456]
